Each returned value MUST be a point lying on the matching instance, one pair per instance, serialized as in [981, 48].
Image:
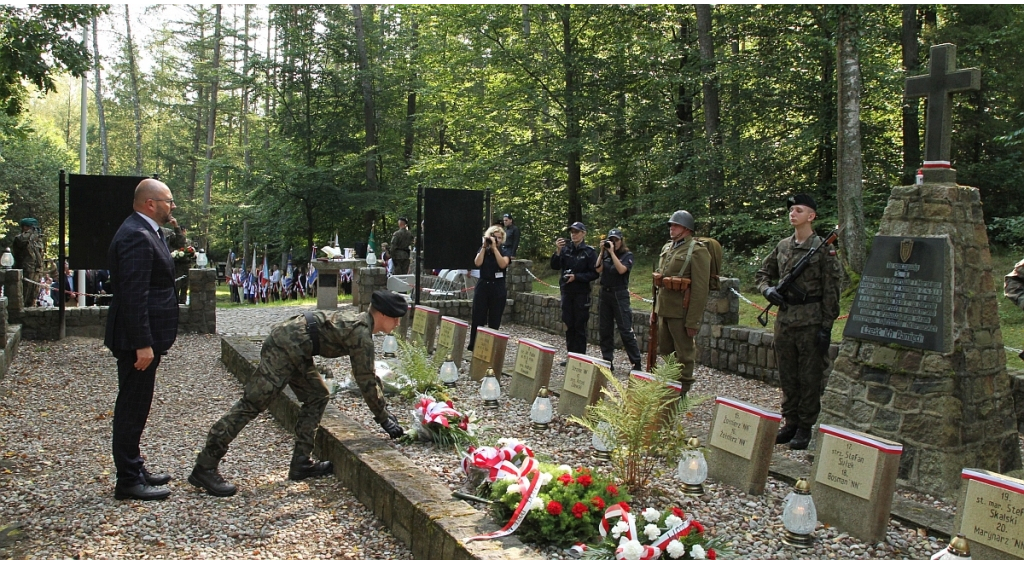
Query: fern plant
[421, 370]
[642, 421]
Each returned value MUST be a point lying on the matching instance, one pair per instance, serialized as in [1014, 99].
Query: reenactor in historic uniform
[1013, 287]
[681, 285]
[401, 247]
[803, 327]
[287, 358]
[27, 249]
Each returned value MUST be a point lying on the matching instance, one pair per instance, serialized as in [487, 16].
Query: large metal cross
[939, 85]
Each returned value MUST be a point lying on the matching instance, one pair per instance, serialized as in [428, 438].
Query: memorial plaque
[532, 371]
[742, 440]
[424, 326]
[451, 340]
[991, 515]
[904, 294]
[854, 478]
[583, 381]
[488, 352]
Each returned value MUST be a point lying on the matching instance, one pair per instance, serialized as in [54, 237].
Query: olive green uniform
[28, 256]
[287, 358]
[800, 356]
[401, 245]
[687, 258]
[1013, 285]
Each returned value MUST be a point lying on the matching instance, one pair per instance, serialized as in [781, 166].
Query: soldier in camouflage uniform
[401, 245]
[1013, 288]
[27, 249]
[803, 330]
[287, 358]
[681, 285]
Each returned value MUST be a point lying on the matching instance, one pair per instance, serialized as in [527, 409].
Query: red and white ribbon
[650, 552]
[498, 462]
[431, 411]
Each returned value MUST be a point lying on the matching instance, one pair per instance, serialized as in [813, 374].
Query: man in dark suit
[142, 323]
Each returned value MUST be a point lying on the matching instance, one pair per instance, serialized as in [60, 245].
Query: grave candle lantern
[799, 516]
[449, 373]
[201, 260]
[371, 257]
[7, 260]
[490, 390]
[540, 412]
[958, 549]
[390, 346]
[693, 468]
[603, 441]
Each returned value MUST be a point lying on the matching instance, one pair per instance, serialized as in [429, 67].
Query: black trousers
[488, 305]
[575, 315]
[613, 309]
[131, 410]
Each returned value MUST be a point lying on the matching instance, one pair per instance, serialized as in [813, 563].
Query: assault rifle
[787, 284]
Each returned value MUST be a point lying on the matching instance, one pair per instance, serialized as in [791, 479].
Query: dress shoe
[800, 440]
[303, 467]
[144, 492]
[212, 482]
[785, 434]
[158, 479]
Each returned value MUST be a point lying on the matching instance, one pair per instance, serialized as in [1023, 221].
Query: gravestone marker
[488, 352]
[424, 326]
[854, 477]
[991, 515]
[904, 295]
[451, 340]
[532, 369]
[583, 381]
[741, 442]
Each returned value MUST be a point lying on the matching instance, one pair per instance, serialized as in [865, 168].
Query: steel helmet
[682, 217]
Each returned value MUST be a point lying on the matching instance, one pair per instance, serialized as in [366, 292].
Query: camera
[567, 274]
[606, 244]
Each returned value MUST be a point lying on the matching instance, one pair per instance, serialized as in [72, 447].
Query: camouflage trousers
[801, 373]
[30, 292]
[672, 337]
[282, 362]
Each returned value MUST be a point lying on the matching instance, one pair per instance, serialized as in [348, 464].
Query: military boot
[785, 434]
[801, 439]
[303, 467]
[211, 481]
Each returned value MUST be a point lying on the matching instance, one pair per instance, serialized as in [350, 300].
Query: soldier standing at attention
[682, 282]
[28, 256]
[401, 244]
[803, 327]
[576, 261]
[287, 358]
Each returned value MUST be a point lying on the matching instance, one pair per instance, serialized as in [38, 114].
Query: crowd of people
[295, 283]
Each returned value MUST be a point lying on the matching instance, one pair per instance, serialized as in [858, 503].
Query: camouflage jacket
[28, 250]
[1013, 285]
[669, 303]
[820, 280]
[401, 244]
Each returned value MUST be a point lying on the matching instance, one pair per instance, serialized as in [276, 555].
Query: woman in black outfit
[614, 263]
[490, 294]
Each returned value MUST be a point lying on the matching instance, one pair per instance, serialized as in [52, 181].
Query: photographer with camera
[489, 297]
[575, 259]
[614, 263]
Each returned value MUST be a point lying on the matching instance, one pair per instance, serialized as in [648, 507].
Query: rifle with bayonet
[787, 286]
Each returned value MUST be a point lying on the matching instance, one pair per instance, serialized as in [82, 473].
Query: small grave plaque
[741, 441]
[904, 294]
[488, 352]
[532, 369]
[991, 515]
[854, 479]
[583, 381]
[451, 339]
[424, 326]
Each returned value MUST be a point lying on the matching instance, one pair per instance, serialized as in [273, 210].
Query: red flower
[612, 490]
[464, 424]
[678, 513]
[711, 554]
[598, 502]
[625, 506]
[450, 404]
[579, 510]
[554, 508]
[686, 532]
[565, 479]
[585, 480]
[699, 527]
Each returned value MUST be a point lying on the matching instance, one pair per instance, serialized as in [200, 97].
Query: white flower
[672, 521]
[545, 479]
[651, 515]
[676, 549]
[508, 442]
[632, 550]
[619, 528]
[697, 552]
[652, 531]
[537, 505]
[564, 469]
[512, 488]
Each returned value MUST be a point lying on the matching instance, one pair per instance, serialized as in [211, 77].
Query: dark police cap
[578, 226]
[616, 233]
[389, 303]
[29, 221]
[507, 216]
[801, 200]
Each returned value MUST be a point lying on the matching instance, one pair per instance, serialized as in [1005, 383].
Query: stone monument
[923, 364]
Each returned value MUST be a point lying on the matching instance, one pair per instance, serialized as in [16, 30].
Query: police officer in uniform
[401, 244]
[287, 358]
[682, 282]
[803, 330]
[614, 263]
[511, 243]
[575, 259]
[27, 249]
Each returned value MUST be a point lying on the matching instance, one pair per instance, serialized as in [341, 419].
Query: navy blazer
[144, 310]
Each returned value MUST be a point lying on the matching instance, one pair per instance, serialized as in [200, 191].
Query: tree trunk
[410, 109]
[246, 152]
[272, 56]
[99, 98]
[211, 124]
[684, 99]
[572, 121]
[368, 111]
[911, 65]
[133, 77]
[712, 109]
[850, 171]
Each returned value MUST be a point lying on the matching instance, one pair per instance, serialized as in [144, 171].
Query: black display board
[904, 295]
[97, 206]
[453, 224]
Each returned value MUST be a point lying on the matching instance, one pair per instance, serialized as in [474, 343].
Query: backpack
[715, 250]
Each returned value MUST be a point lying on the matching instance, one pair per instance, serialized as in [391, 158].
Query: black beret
[389, 303]
[801, 200]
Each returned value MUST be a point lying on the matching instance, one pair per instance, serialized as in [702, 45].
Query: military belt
[314, 331]
[807, 300]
